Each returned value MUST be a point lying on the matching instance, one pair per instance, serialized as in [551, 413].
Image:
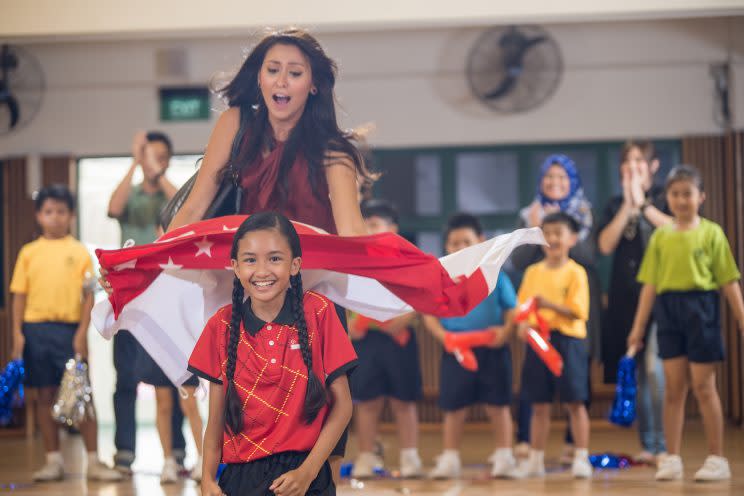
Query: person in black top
[625, 228]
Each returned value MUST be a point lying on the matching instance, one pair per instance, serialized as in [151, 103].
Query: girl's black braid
[233, 408]
[315, 396]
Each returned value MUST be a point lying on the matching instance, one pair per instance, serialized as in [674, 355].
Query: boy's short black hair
[380, 208]
[684, 173]
[562, 218]
[58, 192]
[463, 220]
[153, 136]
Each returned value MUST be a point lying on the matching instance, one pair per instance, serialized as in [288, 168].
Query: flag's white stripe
[489, 255]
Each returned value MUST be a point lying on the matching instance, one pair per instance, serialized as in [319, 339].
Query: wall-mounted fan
[514, 68]
[21, 88]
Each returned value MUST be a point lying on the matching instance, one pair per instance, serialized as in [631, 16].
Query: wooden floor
[18, 459]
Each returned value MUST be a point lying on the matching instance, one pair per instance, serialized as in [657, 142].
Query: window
[430, 184]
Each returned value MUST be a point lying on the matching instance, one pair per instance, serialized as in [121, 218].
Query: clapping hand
[150, 166]
[637, 179]
[138, 146]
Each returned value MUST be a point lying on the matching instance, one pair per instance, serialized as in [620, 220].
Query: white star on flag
[205, 247]
[126, 265]
[170, 265]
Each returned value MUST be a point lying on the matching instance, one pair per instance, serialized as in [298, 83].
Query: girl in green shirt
[684, 267]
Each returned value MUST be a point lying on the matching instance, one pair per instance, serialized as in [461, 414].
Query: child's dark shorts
[149, 372]
[48, 348]
[386, 368]
[689, 324]
[490, 384]
[254, 478]
[539, 385]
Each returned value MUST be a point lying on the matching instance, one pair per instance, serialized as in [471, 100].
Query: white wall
[621, 79]
[114, 18]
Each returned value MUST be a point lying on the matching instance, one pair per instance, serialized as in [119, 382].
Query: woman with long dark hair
[291, 155]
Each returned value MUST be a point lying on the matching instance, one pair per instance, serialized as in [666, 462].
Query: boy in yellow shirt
[561, 289]
[52, 301]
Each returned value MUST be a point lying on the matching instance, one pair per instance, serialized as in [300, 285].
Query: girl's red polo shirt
[270, 375]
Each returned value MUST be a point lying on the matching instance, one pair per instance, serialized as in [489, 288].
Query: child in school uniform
[684, 267]
[561, 289]
[491, 383]
[52, 300]
[388, 368]
[271, 419]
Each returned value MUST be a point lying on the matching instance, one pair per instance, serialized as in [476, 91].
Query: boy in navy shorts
[388, 368]
[52, 300]
[491, 383]
[561, 289]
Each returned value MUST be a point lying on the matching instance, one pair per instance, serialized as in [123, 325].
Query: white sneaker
[169, 474]
[448, 466]
[196, 471]
[669, 468]
[98, 471]
[581, 468]
[715, 468]
[50, 472]
[503, 464]
[530, 467]
[365, 465]
[410, 464]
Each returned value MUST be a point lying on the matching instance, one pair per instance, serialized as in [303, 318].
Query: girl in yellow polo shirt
[685, 265]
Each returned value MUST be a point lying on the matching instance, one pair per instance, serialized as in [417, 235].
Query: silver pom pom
[75, 396]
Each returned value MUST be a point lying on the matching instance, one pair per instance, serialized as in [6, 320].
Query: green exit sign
[184, 104]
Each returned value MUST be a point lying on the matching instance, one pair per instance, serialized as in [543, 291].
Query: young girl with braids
[271, 419]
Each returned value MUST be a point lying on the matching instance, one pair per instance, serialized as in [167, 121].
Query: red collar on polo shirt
[253, 324]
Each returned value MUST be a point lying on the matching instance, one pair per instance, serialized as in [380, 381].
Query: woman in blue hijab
[559, 189]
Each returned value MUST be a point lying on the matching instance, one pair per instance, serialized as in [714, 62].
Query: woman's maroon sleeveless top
[260, 182]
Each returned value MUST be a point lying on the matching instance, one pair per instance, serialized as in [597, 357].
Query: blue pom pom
[11, 390]
[623, 411]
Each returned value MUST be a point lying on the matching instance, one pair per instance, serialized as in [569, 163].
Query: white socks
[581, 454]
